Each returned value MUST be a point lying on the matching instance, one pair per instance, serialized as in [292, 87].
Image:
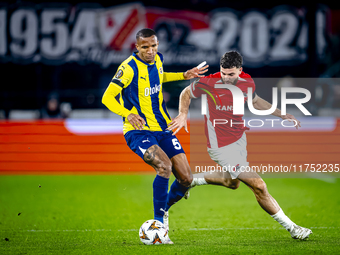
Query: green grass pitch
[101, 214]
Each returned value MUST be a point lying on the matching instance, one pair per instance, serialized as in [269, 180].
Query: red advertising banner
[96, 147]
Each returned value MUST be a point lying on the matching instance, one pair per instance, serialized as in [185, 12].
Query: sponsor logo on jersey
[150, 91]
[224, 108]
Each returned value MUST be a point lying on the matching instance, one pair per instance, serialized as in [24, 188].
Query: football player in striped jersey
[139, 82]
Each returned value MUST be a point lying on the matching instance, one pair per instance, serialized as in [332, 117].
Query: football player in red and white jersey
[227, 143]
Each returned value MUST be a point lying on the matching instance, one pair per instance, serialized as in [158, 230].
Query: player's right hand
[291, 118]
[178, 122]
[136, 121]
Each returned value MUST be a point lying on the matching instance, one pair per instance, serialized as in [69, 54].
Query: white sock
[198, 180]
[281, 218]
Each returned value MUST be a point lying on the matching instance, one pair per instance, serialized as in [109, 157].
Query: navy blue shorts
[141, 140]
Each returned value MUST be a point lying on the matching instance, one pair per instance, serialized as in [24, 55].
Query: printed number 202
[176, 144]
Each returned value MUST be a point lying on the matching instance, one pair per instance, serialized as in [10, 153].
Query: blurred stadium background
[56, 60]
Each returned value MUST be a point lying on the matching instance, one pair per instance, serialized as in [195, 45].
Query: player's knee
[260, 188]
[164, 169]
[186, 179]
[234, 185]
[231, 184]
[167, 167]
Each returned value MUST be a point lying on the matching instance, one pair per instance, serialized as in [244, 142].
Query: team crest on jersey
[119, 74]
[161, 70]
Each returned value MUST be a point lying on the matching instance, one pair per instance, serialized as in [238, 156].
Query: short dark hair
[231, 59]
[145, 32]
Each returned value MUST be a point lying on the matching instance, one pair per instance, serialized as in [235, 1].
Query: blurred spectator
[52, 108]
[65, 110]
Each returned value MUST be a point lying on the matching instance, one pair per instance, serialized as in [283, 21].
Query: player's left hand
[178, 122]
[291, 118]
[195, 72]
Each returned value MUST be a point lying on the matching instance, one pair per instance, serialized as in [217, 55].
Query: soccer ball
[153, 232]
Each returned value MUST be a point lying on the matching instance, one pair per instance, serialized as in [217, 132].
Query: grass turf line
[97, 214]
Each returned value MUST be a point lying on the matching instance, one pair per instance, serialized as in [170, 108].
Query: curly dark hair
[145, 33]
[231, 59]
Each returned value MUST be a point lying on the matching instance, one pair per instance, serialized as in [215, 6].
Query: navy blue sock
[160, 194]
[176, 192]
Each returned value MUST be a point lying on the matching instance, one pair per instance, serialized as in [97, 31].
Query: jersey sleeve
[202, 86]
[254, 87]
[250, 83]
[123, 76]
[167, 77]
[195, 92]
[121, 80]
[110, 101]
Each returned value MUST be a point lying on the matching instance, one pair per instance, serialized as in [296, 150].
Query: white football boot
[166, 219]
[168, 241]
[166, 225]
[298, 232]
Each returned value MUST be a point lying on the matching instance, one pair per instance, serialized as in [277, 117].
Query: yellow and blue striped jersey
[141, 91]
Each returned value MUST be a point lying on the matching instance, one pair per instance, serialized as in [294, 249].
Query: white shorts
[233, 157]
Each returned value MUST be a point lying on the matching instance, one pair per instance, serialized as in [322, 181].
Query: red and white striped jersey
[220, 107]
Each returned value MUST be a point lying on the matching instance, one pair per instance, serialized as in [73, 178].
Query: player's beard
[232, 82]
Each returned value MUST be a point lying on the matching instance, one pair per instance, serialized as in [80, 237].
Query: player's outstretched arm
[261, 104]
[195, 72]
[181, 120]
